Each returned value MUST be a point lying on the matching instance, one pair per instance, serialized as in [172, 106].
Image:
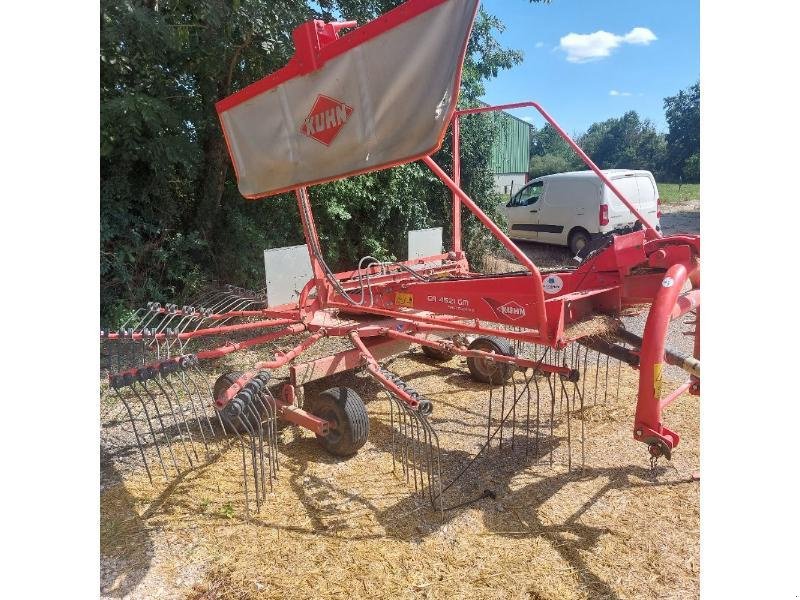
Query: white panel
[424, 242]
[288, 269]
[390, 99]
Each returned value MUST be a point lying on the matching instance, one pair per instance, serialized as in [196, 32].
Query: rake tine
[619, 375]
[569, 428]
[258, 465]
[267, 406]
[420, 450]
[167, 381]
[538, 420]
[437, 476]
[203, 409]
[412, 418]
[527, 413]
[583, 373]
[502, 411]
[175, 419]
[135, 433]
[489, 422]
[269, 420]
[551, 389]
[183, 377]
[244, 472]
[596, 374]
[391, 426]
[404, 439]
[208, 393]
[161, 421]
[605, 390]
[246, 424]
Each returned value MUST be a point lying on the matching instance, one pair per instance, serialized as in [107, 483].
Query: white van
[569, 209]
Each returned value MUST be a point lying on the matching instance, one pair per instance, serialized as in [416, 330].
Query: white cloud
[640, 35]
[583, 47]
[528, 119]
[539, 45]
[618, 93]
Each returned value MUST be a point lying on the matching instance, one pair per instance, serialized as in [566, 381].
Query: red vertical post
[648, 426]
[457, 180]
[312, 240]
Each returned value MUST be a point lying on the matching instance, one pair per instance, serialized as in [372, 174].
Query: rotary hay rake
[544, 345]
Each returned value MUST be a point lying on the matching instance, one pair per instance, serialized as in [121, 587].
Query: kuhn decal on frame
[511, 310]
[326, 119]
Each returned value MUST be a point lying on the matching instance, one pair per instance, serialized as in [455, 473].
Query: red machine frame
[436, 300]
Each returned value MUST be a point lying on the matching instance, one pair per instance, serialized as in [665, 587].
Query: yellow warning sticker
[404, 299]
[657, 379]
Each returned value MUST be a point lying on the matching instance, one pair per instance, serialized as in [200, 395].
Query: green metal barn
[510, 153]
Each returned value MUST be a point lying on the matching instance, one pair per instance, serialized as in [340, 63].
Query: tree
[549, 164]
[171, 216]
[682, 113]
[625, 143]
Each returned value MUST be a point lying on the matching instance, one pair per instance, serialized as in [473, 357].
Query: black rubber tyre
[485, 371]
[436, 354]
[578, 240]
[345, 409]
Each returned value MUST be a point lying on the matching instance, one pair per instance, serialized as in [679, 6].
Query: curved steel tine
[538, 419]
[192, 380]
[248, 426]
[121, 398]
[184, 376]
[514, 408]
[163, 427]
[605, 389]
[527, 413]
[244, 468]
[258, 464]
[135, 315]
[412, 421]
[569, 426]
[596, 376]
[157, 381]
[268, 406]
[271, 432]
[391, 426]
[426, 427]
[502, 411]
[208, 393]
[404, 438]
[242, 305]
[619, 375]
[583, 373]
[489, 421]
[551, 389]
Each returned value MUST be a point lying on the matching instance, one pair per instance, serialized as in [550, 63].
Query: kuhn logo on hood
[326, 119]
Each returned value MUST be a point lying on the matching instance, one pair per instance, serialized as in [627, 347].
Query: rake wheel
[486, 371]
[344, 409]
[221, 385]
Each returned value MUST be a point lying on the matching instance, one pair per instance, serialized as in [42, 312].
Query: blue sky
[573, 78]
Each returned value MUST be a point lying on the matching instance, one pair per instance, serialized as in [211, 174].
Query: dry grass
[353, 529]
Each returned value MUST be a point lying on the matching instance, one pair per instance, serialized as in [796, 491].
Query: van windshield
[528, 195]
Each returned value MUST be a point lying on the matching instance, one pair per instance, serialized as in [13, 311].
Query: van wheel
[578, 240]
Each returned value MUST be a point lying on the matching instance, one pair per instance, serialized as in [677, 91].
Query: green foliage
[691, 168]
[625, 143]
[549, 164]
[629, 142]
[171, 215]
[682, 112]
[676, 193]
